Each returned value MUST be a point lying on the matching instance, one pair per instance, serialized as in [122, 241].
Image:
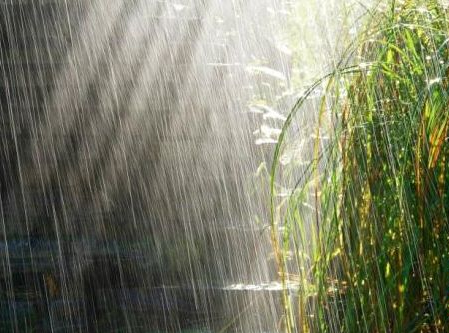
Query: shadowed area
[126, 154]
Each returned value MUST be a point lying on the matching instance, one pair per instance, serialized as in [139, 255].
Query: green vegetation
[371, 254]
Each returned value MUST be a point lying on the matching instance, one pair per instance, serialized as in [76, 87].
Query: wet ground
[33, 298]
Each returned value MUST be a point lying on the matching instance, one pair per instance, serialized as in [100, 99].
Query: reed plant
[372, 255]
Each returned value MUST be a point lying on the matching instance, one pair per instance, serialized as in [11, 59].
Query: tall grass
[373, 254]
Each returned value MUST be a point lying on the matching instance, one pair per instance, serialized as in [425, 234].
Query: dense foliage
[374, 255]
